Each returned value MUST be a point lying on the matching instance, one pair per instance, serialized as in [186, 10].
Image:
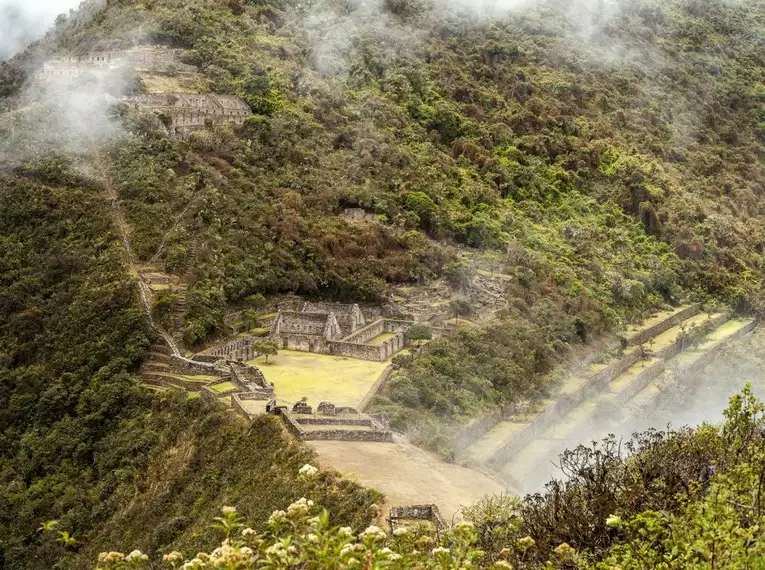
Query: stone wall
[376, 387]
[376, 434]
[240, 349]
[416, 513]
[596, 385]
[334, 421]
[664, 325]
[372, 352]
[689, 375]
[366, 333]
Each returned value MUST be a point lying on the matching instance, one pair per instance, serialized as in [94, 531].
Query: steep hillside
[81, 441]
[607, 156]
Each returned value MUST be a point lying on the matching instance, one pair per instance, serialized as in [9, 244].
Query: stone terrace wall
[379, 434]
[417, 513]
[596, 384]
[664, 325]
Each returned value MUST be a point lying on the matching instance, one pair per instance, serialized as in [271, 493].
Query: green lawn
[223, 387]
[342, 381]
[381, 338]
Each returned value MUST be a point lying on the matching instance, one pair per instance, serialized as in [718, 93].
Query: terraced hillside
[607, 396]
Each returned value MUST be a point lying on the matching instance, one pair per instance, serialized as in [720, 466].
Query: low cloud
[23, 22]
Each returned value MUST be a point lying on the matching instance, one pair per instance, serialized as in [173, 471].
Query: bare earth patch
[407, 474]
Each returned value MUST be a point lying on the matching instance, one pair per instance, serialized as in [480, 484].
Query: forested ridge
[610, 159]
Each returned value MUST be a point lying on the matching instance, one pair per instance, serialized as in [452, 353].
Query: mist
[23, 22]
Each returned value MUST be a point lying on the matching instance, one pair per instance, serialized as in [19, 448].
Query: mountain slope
[611, 161]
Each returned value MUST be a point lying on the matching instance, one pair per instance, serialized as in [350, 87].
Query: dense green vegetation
[612, 164]
[613, 167]
[81, 441]
[681, 500]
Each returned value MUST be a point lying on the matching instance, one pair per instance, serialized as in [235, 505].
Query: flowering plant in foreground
[301, 536]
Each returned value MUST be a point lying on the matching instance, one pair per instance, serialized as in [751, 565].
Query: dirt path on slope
[407, 475]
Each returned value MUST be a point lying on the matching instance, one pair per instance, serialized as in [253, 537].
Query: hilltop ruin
[180, 112]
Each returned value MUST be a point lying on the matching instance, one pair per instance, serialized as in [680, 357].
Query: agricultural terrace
[319, 377]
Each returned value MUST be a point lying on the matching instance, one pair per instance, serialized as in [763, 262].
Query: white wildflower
[250, 532]
[401, 531]
[110, 557]
[373, 532]
[312, 538]
[307, 471]
[173, 558]
[246, 550]
[228, 510]
[275, 518]
[347, 549]
[345, 532]
[136, 556]
[299, 507]
[275, 549]
[439, 550]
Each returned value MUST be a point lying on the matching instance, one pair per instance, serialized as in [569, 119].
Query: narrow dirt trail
[119, 220]
[163, 243]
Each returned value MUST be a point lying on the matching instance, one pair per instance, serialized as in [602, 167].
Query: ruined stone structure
[358, 215]
[186, 112]
[400, 516]
[148, 58]
[330, 328]
[345, 425]
[193, 111]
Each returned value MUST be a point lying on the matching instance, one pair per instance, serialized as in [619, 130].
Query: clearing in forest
[407, 475]
[319, 377]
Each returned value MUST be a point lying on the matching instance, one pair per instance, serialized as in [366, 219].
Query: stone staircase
[602, 397]
[180, 291]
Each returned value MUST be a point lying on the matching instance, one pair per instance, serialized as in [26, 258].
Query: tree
[419, 332]
[267, 348]
[257, 303]
[460, 308]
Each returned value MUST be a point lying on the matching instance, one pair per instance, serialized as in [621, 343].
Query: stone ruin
[146, 58]
[324, 328]
[400, 516]
[193, 111]
[335, 423]
[358, 215]
[301, 407]
[333, 328]
[327, 409]
[184, 112]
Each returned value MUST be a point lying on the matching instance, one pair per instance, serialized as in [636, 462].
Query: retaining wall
[155, 378]
[329, 421]
[658, 328]
[376, 387]
[381, 435]
[689, 375]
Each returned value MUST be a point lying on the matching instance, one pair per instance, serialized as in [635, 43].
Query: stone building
[332, 328]
[146, 58]
[193, 111]
[316, 324]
